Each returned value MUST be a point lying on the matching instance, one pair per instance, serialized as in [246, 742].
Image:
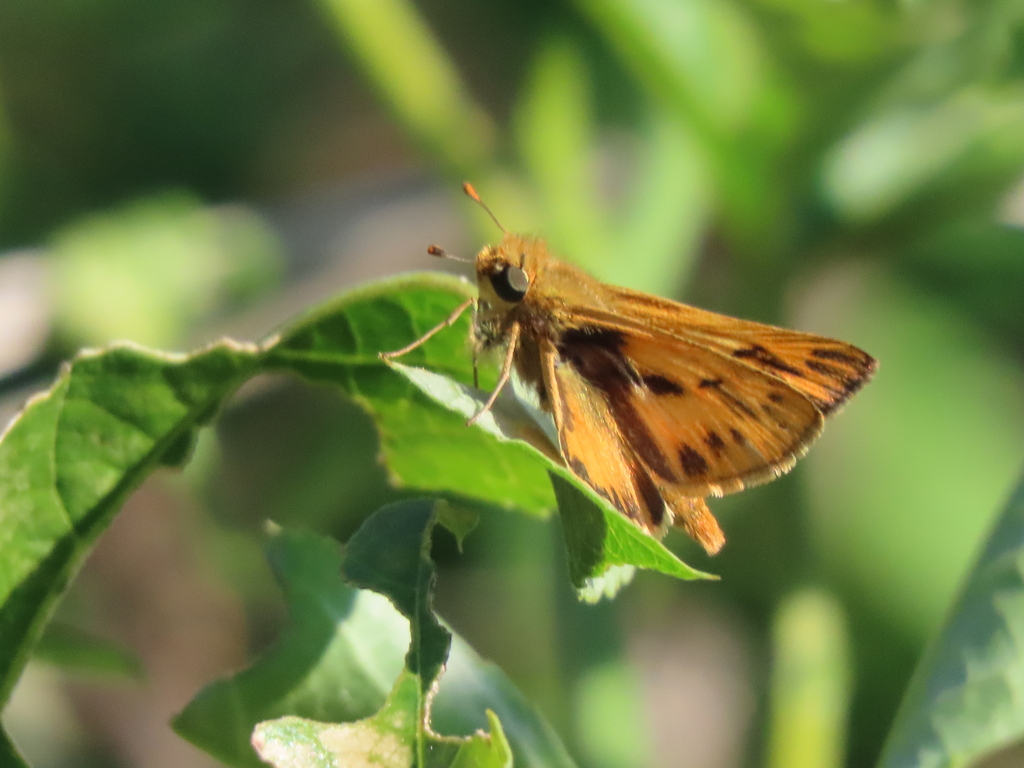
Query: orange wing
[659, 404]
[827, 371]
[596, 450]
[700, 423]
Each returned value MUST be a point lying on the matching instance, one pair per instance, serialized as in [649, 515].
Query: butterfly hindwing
[602, 450]
[701, 423]
[593, 447]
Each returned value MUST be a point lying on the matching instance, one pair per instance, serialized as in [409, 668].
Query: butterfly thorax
[521, 284]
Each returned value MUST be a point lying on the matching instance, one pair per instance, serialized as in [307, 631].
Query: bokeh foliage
[851, 168]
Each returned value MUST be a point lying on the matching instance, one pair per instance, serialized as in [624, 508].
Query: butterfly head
[505, 273]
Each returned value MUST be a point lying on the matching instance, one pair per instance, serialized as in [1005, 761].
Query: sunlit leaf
[649, 243]
[426, 446]
[72, 456]
[902, 152]
[810, 687]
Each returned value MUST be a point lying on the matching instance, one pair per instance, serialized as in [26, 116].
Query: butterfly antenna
[441, 253]
[472, 193]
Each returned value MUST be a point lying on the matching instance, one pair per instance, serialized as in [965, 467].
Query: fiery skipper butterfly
[656, 404]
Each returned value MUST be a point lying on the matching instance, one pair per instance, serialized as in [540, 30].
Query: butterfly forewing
[827, 371]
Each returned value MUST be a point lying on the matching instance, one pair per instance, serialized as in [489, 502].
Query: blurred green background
[174, 172]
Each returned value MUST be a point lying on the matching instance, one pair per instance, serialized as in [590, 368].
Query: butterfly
[656, 404]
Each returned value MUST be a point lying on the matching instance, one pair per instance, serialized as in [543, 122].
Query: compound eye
[510, 283]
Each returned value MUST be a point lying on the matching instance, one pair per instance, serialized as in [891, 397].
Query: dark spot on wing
[648, 493]
[580, 470]
[761, 355]
[604, 338]
[617, 502]
[659, 385]
[825, 369]
[839, 356]
[776, 397]
[841, 382]
[613, 498]
[596, 354]
[715, 443]
[637, 436]
[694, 464]
[735, 403]
[738, 436]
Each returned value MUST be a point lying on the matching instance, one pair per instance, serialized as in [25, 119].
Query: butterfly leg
[447, 323]
[506, 371]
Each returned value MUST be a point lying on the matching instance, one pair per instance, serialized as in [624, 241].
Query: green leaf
[906, 150]
[336, 660]
[666, 214]
[426, 446]
[384, 740]
[964, 699]
[703, 62]
[704, 55]
[483, 751]
[72, 456]
[472, 688]
[597, 536]
[555, 125]
[458, 520]
[76, 451]
[9, 757]
[390, 554]
[853, 32]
